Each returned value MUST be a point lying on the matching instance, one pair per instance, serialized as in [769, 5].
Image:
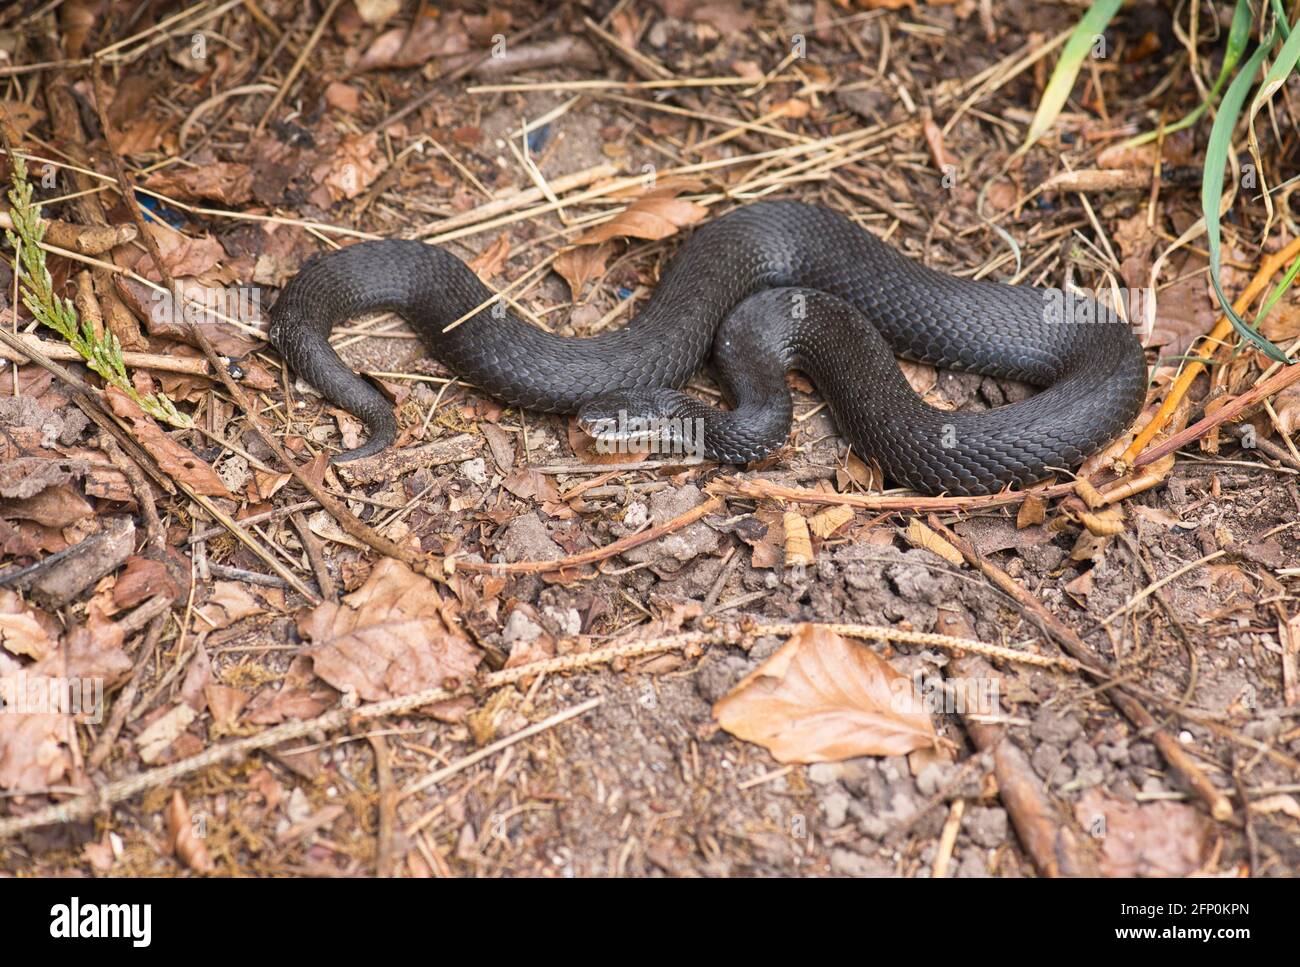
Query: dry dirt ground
[1190, 598]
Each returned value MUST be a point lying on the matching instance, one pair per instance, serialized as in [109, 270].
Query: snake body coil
[810, 290]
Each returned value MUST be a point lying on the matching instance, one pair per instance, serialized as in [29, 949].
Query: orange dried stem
[1218, 334]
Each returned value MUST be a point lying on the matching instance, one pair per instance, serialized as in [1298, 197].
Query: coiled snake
[768, 287]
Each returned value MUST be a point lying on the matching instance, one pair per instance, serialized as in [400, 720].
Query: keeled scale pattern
[883, 304]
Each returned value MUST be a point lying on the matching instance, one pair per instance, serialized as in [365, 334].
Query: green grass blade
[1279, 11]
[1057, 92]
[1216, 159]
[1279, 290]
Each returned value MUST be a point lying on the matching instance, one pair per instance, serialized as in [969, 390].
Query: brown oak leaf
[823, 698]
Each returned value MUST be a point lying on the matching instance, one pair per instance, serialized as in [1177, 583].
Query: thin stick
[66, 354]
[765, 490]
[316, 555]
[298, 64]
[1216, 337]
[592, 556]
[606, 85]
[460, 765]
[1261, 390]
[87, 804]
[387, 806]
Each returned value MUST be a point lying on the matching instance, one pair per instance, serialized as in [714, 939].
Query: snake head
[640, 421]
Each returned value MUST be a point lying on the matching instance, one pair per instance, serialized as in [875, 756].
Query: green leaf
[103, 355]
[1279, 290]
[1057, 92]
[1216, 159]
[1280, 12]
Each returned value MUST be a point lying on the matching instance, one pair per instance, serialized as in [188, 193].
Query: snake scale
[766, 288]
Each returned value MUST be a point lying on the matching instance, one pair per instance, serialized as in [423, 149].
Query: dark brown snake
[770, 287]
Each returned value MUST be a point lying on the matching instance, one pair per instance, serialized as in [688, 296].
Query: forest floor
[217, 598]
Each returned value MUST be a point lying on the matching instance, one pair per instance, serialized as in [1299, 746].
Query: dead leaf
[856, 472]
[798, 543]
[502, 444]
[342, 97]
[824, 698]
[57, 506]
[35, 750]
[317, 820]
[142, 579]
[579, 265]
[101, 855]
[492, 259]
[918, 535]
[376, 13]
[1145, 839]
[828, 521]
[1104, 523]
[185, 837]
[175, 460]
[300, 696]
[225, 704]
[531, 484]
[651, 217]
[725, 16]
[25, 477]
[354, 165]
[764, 532]
[1081, 587]
[163, 731]
[388, 638]
[225, 182]
[25, 631]
[21, 116]
[228, 603]
[37, 739]
[198, 676]
[184, 255]
[428, 36]
[1033, 511]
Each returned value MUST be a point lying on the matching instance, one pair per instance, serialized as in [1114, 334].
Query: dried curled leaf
[176, 461]
[579, 265]
[798, 544]
[389, 637]
[652, 217]
[823, 698]
[918, 535]
[184, 836]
